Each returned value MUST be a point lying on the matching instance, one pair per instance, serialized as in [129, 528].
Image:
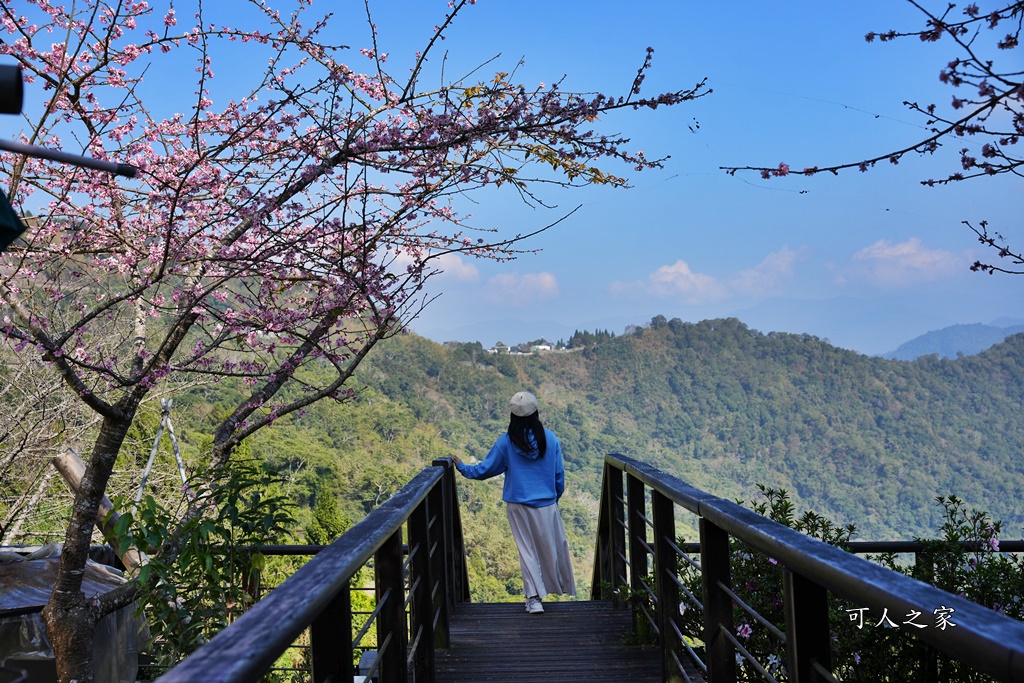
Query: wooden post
[609, 562]
[637, 529]
[714, 562]
[460, 571]
[422, 584]
[924, 562]
[391, 625]
[330, 637]
[665, 564]
[617, 530]
[72, 469]
[457, 573]
[438, 538]
[807, 632]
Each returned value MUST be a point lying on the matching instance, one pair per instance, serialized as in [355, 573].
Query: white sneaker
[534, 606]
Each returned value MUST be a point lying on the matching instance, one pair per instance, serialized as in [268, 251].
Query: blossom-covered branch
[292, 224]
[990, 106]
[997, 242]
[985, 116]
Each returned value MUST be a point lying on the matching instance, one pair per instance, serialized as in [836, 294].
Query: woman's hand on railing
[456, 460]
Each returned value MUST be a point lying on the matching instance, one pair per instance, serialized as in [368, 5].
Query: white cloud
[680, 282]
[896, 265]
[679, 279]
[771, 275]
[522, 289]
[453, 265]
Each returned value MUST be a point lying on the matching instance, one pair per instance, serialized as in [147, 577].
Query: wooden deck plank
[571, 641]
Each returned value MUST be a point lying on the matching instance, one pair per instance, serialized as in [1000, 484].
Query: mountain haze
[949, 342]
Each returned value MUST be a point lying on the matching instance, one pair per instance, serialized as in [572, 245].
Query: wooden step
[571, 641]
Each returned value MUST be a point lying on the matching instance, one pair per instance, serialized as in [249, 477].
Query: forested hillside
[862, 440]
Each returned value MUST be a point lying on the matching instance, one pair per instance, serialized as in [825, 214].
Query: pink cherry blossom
[292, 226]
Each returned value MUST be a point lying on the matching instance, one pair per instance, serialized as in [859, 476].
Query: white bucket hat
[523, 403]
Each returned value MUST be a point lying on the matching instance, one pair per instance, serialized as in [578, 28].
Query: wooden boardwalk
[571, 641]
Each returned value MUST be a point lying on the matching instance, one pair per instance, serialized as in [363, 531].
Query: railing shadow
[632, 536]
[418, 580]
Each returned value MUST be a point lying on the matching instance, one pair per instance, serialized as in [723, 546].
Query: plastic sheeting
[25, 585]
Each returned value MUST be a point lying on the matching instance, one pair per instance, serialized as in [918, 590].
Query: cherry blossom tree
[295, 223]
[985, 117]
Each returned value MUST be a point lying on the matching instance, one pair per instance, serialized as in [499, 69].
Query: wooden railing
[418, 580]
[637, 540]
[414, 543]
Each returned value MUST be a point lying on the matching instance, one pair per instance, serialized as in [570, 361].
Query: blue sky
[867, 261]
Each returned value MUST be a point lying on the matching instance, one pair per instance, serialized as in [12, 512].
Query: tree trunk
[70, 619]
[71, 628]
[72, 469]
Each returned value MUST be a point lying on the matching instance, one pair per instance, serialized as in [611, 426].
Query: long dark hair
[519, 429]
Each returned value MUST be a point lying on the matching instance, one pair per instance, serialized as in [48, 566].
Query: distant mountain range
[956, 340]
[859, 439]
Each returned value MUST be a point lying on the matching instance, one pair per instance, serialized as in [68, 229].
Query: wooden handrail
[317, 595]
[983, 639]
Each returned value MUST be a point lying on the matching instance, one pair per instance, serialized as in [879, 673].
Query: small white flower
[682, 608]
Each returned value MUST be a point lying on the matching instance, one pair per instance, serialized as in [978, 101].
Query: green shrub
[212, 578]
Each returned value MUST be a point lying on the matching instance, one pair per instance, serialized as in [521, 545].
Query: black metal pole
[126, 170]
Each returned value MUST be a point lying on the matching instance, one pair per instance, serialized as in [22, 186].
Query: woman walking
[530, 457]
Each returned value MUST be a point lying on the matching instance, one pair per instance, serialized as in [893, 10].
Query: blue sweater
[529, 480]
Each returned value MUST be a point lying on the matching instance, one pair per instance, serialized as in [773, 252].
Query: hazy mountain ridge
[955, 340]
